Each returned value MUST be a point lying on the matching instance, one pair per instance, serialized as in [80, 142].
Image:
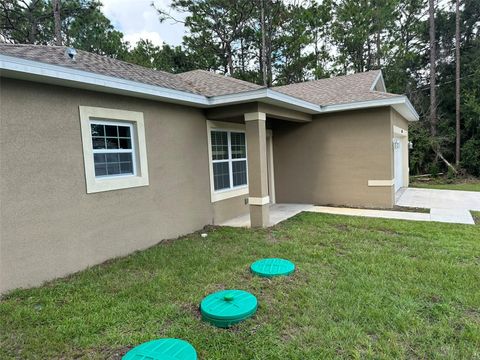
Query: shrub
[470, 156]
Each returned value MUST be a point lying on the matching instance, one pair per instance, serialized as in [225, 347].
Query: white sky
[137, 19]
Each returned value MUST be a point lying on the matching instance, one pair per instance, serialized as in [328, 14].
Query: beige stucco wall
[230, 208]
[50, 226]
[331, 159]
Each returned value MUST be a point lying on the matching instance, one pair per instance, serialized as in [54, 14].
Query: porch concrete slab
[439, 199]
[278, 213]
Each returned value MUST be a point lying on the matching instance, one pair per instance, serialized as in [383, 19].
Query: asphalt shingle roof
[98, 64]
[211, 84]
[337, 90]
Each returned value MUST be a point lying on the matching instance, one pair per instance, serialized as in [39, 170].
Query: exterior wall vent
[71, 53]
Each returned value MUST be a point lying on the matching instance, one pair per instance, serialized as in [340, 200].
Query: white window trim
[218, 195]
[89, 115]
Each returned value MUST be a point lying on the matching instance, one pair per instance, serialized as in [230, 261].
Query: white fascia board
[40, 70]
[407, 110]
[268, 96]
[399, 103]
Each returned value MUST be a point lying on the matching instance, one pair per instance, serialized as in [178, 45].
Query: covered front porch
[258, 195]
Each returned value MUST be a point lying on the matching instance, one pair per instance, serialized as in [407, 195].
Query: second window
[229, 159]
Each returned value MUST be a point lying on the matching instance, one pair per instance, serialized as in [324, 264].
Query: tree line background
[282, 42]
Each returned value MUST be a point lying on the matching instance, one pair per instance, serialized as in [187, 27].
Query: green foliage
[84, 26]
[471, 156]
[165, 58]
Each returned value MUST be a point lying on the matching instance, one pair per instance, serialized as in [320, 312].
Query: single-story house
[100, 157]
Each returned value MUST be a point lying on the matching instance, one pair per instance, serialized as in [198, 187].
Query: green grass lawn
[442, 184]
[365, 288]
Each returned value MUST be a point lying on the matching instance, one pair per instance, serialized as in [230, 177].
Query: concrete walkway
[454, 217]
[445, 205]
[439, 199]
[448, 206]
[383, 214]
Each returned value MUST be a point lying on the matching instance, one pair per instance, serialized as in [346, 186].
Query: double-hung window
[114, 149]
[228, 160]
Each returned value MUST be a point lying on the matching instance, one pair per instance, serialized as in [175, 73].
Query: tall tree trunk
[264, 50]
[379, 53]
[317, 54]
[229, 58]
[457, 82]
[58, 22]
[242, 52]
[433, 70]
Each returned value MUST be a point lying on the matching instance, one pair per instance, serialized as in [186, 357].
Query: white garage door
[398, 163]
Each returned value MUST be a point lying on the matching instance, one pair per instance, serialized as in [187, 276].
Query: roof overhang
[267, 96]
[59, 75]
[400, 103]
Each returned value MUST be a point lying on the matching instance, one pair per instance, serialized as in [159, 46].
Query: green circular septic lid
[162, 349]
[228, 307]
[272, 267]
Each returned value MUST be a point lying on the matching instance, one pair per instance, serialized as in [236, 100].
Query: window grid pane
[113, 164]
[239, 150]
[219, 145]
[221, 175]
[111, 136]
[239, 172]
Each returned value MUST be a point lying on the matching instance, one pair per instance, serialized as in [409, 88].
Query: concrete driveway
[444, 205]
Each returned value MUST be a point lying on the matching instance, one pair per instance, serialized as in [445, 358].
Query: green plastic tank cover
[272, 267]
[162, 349]
[228, 307]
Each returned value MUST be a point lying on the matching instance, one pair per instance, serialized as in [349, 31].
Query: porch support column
[257, 169]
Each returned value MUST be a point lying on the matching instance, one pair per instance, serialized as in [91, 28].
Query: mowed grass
[364, 288]
[442, 184]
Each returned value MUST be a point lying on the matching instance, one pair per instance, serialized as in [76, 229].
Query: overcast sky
[139, 20]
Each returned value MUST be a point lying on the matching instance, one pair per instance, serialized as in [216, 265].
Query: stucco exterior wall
[50, 226]
[331, 159]
[230, 208]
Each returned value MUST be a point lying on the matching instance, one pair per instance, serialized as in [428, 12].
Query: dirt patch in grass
[341, 227]
[105, 353]
[192, 309]
[387, 231]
